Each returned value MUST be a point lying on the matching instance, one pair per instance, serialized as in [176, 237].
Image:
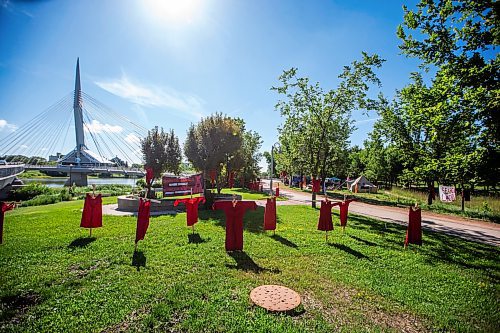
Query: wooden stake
[326, 236]
[90, 232]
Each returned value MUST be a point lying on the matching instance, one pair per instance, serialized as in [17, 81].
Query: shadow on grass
[12, 306]
[196, 239]
[347, 249]
[284, 241]
[138, 260]
[364, 241]
[245, 263]
[81, 242]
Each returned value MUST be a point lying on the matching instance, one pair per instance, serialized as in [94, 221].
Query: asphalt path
[471, 229]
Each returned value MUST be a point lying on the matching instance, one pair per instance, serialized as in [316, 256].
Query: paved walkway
[475, 230]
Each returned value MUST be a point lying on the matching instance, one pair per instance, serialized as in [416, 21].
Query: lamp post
[70, 166]
[272, 164]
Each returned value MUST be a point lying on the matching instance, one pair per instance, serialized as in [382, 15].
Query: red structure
[316, 185]
[414, 231]
[234, 210]
[142, 219]
[344, 210]
[270, 214]
[191, 208]
[92, 212]
[173, 186]
[325, 216]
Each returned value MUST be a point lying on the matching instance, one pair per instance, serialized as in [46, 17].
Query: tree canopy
[161, 151]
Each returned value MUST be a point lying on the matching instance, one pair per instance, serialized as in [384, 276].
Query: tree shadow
[349, 250]
[13, 306]
[196, 239]
[364, 241]
[138, 260]
[245, 263]
[284, 241]
[81, 242]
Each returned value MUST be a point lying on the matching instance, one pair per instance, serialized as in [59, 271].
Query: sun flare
[174, 11]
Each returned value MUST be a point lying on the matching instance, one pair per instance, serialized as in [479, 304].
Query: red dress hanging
[191, 208]
[325, 216]
[234, 221]
[92, 212]
[316, 185]
[142, 219]
[344, 210]
[5, 207]
[270, 214]
[414, 231]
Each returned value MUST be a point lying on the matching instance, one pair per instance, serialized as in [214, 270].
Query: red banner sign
[173, 186]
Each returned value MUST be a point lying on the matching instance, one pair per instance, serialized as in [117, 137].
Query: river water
[59, 181]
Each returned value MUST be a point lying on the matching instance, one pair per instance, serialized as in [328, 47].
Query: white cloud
[154, 96]
[23, 146]
[5, 126]
[132, 138]
[96, 127]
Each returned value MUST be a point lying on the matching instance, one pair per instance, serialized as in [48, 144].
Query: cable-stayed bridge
[106, 141]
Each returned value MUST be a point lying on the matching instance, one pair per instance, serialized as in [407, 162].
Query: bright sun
[174, 11]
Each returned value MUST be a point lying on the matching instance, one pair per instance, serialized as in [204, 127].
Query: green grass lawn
[53, 278]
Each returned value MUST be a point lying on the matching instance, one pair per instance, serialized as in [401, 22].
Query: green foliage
[459, 38]
[213, 142]
[30, 191]
[314, 136]
[161, 151]
[55, 278]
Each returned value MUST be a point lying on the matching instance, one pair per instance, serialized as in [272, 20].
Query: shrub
[30, 191]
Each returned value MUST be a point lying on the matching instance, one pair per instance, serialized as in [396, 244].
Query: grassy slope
[52, 278]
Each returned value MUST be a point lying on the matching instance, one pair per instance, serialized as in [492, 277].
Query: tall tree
[317, 122]
[460, 39]
[212, 142]
[161, 151]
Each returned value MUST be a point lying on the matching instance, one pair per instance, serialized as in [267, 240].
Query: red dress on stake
[142, 219]
[270, 214]
[92, 212]
[5, 207]
[234, 221]
[316, 185]
[344, 210]
[191, 208]
[414, 231]
[325, 216]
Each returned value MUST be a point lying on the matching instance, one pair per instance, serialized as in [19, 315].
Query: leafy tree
[212, 142]
[161, 151]
[433, 131]
[317, 126]
[460, 39]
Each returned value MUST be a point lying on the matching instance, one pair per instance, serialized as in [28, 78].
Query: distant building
[56, 157]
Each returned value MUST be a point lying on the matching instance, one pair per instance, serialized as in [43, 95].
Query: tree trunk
[430, 187]
[313, 203]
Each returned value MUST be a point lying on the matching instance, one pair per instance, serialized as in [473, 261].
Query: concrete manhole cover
[275, 298]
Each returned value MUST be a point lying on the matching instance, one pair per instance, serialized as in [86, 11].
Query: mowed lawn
[54, 278]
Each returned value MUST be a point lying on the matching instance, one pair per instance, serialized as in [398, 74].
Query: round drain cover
[275, 298]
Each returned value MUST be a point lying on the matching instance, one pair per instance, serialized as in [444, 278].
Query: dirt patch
[130, 320]
[13, 307]
[80, 272]
[343, 307]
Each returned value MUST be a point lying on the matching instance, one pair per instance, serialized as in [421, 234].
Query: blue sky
[168, 63]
